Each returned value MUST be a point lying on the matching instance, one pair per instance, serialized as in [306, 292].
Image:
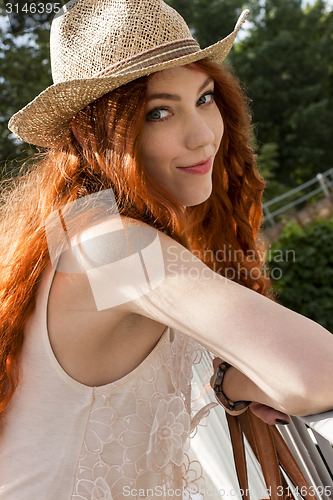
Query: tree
[267, 163]
[210, 20]
[286, 64]
[25, 72]
[302, 261]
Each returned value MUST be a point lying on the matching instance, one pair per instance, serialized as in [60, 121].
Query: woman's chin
[196, 198]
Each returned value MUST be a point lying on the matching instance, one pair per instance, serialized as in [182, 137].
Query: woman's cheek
[219, 128]
[162, 148]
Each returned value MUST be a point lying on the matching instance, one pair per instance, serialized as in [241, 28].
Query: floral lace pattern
[139, 428]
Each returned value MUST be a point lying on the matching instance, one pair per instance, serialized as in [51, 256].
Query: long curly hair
[101, 151]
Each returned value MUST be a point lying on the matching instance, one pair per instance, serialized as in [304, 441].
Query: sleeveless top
[63, 440]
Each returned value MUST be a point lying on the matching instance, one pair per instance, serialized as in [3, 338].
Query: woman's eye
[158, 114]
[207, 98]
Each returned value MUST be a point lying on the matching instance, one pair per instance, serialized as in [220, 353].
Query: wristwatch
[232, 407]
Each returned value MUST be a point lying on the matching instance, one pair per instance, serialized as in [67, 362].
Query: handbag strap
[267, 454]
[237, 441]
[271, 451]
[248, 431]
[290, 466]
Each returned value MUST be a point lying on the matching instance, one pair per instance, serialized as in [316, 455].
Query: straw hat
[99, 45]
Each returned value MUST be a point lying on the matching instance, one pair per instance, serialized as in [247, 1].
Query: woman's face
[183, 127]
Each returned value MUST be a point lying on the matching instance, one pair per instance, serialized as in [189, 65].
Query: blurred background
[284, 57]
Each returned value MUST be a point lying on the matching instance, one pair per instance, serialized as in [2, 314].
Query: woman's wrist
[233, 385]
[238, 387]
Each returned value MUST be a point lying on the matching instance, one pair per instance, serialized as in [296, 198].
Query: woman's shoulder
[111, 239]
[123, 243]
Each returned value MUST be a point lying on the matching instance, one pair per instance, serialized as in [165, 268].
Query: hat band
[157, 55]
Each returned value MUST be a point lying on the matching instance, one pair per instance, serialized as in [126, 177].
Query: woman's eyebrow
[175, 97]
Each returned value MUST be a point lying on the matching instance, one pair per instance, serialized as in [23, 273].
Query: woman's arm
[284, 359]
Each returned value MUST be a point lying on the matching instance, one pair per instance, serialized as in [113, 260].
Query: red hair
[101, 151]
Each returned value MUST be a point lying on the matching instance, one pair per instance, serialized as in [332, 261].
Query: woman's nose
[197, 132]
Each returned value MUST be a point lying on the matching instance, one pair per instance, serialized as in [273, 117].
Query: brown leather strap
[290, 466]
[247, 429]
[237, 442]
[268, 458]
[271, 451]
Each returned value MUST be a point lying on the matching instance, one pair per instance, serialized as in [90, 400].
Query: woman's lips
[199, 168]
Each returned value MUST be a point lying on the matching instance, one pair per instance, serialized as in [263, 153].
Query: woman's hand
[267, 414]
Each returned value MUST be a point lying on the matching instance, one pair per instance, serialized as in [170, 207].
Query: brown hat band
[157, 55]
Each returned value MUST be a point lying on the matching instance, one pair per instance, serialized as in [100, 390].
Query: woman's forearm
[237, 386]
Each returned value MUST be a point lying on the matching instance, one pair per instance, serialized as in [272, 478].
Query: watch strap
[231, 407]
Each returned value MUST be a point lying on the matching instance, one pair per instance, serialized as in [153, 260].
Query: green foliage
[25, 72]
[301, 266]
[210, 20]
[267, 163]
[267, 160]
[286, 65]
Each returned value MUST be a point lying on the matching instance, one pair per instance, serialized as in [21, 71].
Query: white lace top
[63, 440]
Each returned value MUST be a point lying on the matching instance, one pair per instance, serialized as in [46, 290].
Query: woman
[98, 344]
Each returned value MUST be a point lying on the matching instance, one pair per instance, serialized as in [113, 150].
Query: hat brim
[47, 118]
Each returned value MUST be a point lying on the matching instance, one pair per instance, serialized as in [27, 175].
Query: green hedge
[301, 266]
